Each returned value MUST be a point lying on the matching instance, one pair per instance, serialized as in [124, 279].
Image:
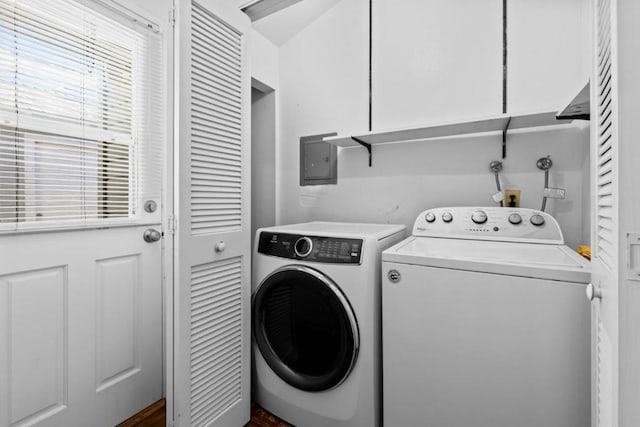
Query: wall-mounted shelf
[500, 123]
[491, 124]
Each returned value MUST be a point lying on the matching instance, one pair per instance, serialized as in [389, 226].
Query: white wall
[159, 9]
[264, 61]
[263, 159]
[264, 100]
[324, 88]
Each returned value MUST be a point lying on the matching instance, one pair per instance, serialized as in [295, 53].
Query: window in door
[79, 131]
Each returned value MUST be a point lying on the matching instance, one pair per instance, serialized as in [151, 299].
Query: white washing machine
[485, 323]
[316, 322]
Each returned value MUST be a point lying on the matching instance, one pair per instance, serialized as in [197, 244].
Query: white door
[212, 283]
[615, 153]
[81, 149]
[604, 236]
[81, 327]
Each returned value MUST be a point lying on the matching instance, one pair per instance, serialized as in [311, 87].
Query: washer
[316, 321]
[485, 322]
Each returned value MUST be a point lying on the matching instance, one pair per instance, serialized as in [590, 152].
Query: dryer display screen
[311, 248]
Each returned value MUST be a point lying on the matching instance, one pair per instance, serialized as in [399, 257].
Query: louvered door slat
[213, 111]
[216, 122]
[231, 61]
[605, 190]
[210, 131]
[215, 339]
[219, 152]
[229, 168]
[226, 38]
[222, 94]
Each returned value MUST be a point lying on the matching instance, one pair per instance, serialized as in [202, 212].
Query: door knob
[220, 246]
[593, 292]
[150, 235]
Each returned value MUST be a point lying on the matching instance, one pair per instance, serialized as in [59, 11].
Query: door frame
[165, 19]
[168, 213]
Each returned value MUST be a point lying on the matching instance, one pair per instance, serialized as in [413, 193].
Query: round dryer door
[305, 328]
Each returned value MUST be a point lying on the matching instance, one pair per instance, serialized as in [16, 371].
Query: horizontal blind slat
[81, 113]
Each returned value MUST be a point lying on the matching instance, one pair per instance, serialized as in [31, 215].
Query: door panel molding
[118, 322]
[34, 304]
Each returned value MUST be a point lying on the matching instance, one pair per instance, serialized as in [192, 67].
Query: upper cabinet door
[212, 283]
[548, 53]
[435, 61]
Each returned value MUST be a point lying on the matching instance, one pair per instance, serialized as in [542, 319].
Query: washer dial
[537, 220]
[303, 247]
[479, 217]
[515, 219]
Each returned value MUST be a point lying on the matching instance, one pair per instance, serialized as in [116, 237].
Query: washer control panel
[335, 250]
[489, 223]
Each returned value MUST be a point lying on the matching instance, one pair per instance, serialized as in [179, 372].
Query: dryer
[485, 322]
[316, 321]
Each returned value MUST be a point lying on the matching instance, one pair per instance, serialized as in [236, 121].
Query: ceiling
[281, 26]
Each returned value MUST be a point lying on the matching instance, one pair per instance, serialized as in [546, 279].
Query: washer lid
[555, 262]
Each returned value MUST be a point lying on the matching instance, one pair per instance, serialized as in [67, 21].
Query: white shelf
[442, 130]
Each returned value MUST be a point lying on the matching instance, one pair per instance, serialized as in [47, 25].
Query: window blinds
[81, 108]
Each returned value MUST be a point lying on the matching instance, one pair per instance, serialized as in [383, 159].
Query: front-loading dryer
[316, 321]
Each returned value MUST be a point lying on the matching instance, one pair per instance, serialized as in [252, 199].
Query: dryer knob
[537, 220]
[447, 217]
[303, 247]
[430, 217]
[479, 217]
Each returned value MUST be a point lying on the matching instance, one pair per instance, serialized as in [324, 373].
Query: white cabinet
[435, 61]
[549, 55]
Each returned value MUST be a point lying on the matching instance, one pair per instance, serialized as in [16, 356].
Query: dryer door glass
[305, 328]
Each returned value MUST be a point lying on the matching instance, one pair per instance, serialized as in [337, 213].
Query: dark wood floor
[155, 416]
[262, 418]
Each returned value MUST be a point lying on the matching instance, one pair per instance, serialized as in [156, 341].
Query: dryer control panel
[489, 223]
[335, 250]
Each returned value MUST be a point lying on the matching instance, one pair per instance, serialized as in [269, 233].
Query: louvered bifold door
[212, 287]
[604, 196]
